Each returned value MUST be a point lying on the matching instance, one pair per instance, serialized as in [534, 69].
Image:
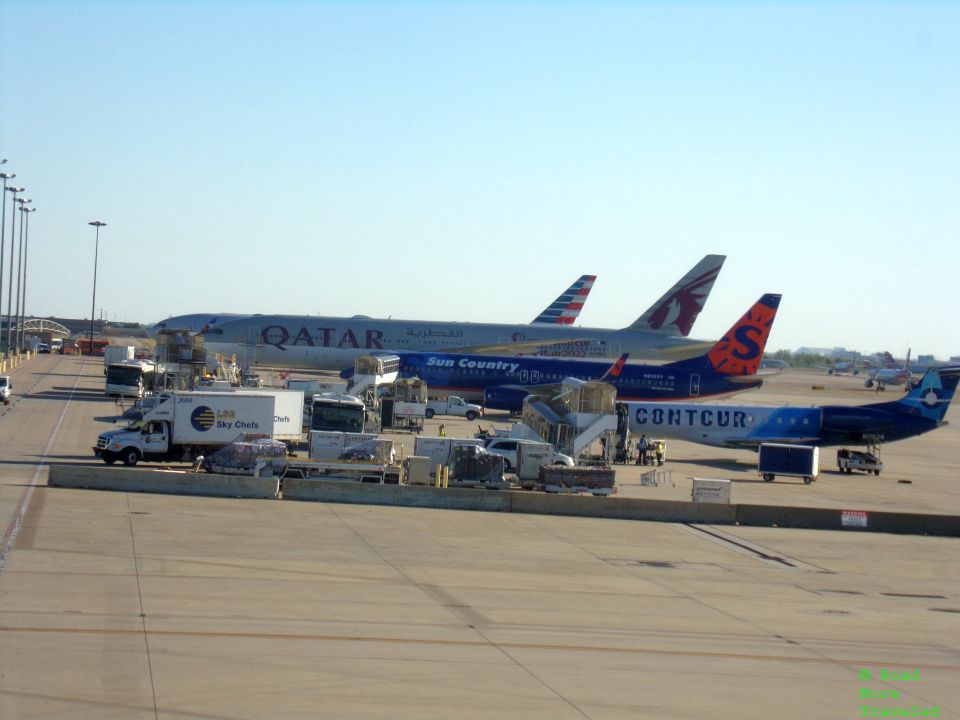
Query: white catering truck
[187, 424]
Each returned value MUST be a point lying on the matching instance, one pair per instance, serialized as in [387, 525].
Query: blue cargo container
[789, 460]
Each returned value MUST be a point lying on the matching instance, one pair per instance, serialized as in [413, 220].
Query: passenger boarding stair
[369, 372]
[571, 421]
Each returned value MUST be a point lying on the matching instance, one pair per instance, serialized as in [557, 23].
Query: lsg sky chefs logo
[202, 418]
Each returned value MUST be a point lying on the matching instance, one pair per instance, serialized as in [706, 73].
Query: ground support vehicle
[338, 412]
[440, 450]
[5, 387]
[185, 425]
[404, 405]
[787, 460]
[329, 446]
[530, 453]
[116, 354]
[867, 461]
[130, 378]
[563, 479]
[260, 458]
[455, 406]
[476, 468]
[379, 473]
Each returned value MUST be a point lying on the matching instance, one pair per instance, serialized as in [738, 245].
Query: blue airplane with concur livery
[747, 426]
[502, 382]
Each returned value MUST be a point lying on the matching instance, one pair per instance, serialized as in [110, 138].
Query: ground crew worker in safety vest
[642, 450]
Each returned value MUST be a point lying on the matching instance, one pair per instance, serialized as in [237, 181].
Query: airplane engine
[841, 419]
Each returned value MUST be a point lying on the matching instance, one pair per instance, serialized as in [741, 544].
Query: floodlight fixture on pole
[96, 251]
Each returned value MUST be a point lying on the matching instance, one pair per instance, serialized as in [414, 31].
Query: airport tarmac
[116, 605]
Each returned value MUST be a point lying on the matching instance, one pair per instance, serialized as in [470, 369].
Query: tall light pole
[96, 251]
[26, 245]
[16, 317]
[3, 226]
[13, 218]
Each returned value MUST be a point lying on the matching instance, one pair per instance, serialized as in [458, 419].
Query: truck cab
[5, 387]
[138, 441]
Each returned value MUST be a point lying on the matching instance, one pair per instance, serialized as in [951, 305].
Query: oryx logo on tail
[677, 310]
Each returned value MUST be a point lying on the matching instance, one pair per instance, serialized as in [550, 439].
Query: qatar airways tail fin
[566, 308]
[677, 310]
[740, 350]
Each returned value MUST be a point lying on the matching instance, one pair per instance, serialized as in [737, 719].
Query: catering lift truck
[404, 406]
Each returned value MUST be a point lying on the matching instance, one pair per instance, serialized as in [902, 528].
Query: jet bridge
[580, 414]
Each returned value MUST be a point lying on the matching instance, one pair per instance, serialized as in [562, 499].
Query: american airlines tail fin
[566, 308]
[677, 310]
[616, 368]
[740, 350]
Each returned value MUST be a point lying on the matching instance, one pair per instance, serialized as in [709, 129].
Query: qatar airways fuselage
[293, 341]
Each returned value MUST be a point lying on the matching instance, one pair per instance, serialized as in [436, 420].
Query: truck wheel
[876, 472]
[429, 413]
[130, 457]
[807, 479]
[108, 457]
[471, 415]
[768, 477]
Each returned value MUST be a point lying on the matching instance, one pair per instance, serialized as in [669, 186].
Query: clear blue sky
[466, 161]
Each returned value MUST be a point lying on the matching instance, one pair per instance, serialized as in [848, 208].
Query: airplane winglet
[616, 368]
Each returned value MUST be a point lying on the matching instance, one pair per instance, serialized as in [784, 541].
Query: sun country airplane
[332, 343]
[738, 426]
[502, 382]
[562, 311]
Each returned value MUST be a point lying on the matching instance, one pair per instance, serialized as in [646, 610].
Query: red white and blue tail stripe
[566, 308]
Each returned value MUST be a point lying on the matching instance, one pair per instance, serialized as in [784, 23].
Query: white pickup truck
[524, 457]
[453, 405]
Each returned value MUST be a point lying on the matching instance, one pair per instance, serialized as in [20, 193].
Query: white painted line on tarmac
[10, 536]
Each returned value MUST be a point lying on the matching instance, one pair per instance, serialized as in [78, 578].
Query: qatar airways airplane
[333, 343]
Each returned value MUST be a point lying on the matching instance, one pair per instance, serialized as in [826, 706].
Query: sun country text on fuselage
[502, 381]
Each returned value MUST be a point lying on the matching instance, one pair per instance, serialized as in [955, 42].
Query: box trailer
[787, 460]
